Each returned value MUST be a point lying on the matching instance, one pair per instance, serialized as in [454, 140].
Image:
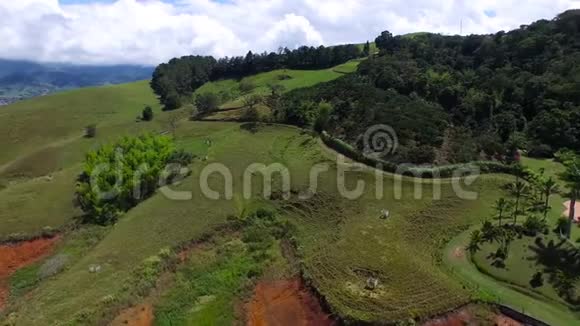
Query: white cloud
[151, 31]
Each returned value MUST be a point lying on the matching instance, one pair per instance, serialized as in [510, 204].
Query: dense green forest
[454, 99]
[180, 77]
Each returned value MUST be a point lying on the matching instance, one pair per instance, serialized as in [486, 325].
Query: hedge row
[427, 172]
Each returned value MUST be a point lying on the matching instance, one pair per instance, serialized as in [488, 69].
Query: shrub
[541, 151]
[251, 114]
[562, 225]
[91, 131]
[147, 113]
[537, 280]
[53, 266]
[172, 102]
[207, 102]
[108, 183]
[181, 157]
[246, 86]
[534, 225]
[423, 172]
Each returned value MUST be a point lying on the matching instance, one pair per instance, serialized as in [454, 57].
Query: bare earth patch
[468, 316]
[285, 302]
[141, 315]
[16, 256]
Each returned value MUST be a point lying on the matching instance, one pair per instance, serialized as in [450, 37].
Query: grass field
[290, 79]
[340, 242]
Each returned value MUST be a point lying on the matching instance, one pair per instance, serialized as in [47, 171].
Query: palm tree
[519, 171]
[549, 186]
[572, 178]
[501, 206]
[518, 189]
[474, 241]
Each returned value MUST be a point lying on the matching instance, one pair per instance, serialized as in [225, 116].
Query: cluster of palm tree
[530, 194]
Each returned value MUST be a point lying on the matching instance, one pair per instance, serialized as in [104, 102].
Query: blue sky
[153, 31]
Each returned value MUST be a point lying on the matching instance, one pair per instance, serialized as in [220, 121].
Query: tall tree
[572, 178]
[501, 207]
[549, 187]
[518, 189]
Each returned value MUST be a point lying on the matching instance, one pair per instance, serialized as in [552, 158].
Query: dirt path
[285, 302]
[16, 256]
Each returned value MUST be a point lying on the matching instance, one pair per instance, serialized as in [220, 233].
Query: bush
[534, 225]
[541, 151]
[423, 172]
[246, 86]
[562, 225]
[181, 157]
[147, 114]
[207, 102]
[53, 266]
[537, 280]
[172, 102]
[108, 183]
[91, 131]
[251, 114]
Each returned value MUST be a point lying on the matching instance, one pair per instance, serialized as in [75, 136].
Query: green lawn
[525, 258]
[488, 288]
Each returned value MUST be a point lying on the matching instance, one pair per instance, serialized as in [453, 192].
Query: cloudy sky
[153, 31]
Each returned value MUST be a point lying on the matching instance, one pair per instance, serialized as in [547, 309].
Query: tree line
[180, 77]
[458, 98]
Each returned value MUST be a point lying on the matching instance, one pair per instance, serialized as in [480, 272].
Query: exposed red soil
[566, 212]
[16, 256]
[466, 316]
[141, 315]
[502, 320]
[285, 302]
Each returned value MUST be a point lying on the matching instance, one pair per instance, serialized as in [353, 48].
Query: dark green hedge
[445, 171]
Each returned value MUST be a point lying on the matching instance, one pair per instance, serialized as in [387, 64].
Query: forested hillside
[180, 77]
[454, 99]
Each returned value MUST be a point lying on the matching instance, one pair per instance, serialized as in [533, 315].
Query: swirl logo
[380, 140]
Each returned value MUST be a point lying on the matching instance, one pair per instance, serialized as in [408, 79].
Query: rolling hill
[21, 79]
[166, 253]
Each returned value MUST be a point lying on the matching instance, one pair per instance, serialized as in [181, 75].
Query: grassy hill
[340, 242]
[288, 78]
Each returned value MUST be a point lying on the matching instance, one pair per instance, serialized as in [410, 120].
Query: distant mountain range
[22, 79]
